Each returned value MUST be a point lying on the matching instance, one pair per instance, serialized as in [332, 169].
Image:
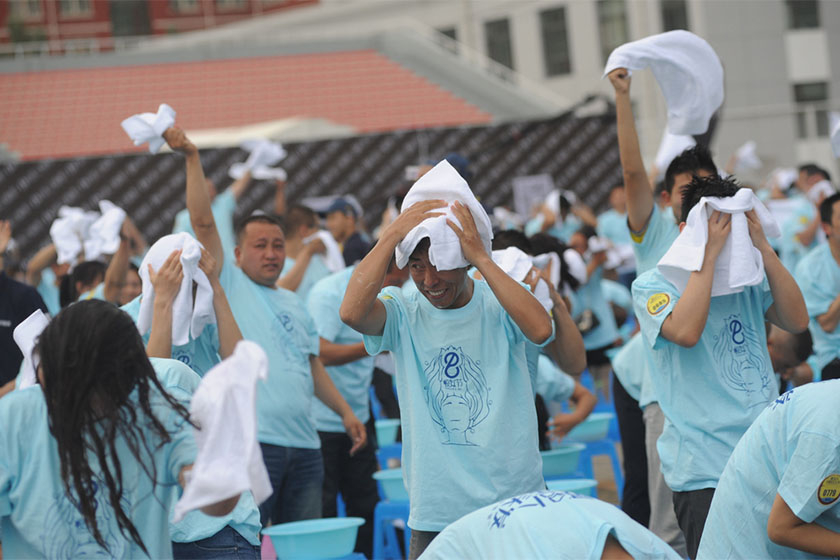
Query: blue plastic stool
[340, 508]
[393, 451]
[601, 447]
[385, 543]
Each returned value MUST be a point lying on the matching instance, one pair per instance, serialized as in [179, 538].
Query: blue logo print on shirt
[457, 394]
[499, 515]
[742, 361]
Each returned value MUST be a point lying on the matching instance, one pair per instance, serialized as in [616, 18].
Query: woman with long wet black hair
[92, 458]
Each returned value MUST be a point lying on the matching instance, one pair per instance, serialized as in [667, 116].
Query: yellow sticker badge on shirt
[829, 489]
[657, 302]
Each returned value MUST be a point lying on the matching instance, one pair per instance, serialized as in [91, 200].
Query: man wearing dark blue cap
[342, 219]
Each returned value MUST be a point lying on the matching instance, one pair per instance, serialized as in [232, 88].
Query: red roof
[65, 113]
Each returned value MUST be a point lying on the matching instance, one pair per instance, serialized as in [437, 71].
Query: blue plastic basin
[332, 537]
[386, 431]
[594, 428]
[562, 461]
[392, 485]
[585, 486]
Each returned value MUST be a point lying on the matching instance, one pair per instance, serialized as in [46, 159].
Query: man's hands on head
[471, 243]
[720, 224]
[411, 218]
[167, 280]
[177, 139]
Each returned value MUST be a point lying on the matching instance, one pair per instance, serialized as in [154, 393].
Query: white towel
[670, 147]
[263, 173]
[553, 259]
[783, 177]
[518, 265]
[688, 71]
[187, 319]
[819, 190]
[69, 232]
[25, 335]
[443, 182]
[739, 263]
[263, 154]
[149, 127]
[224, 406]
[333, 257]
[104, 234]
[746, 158]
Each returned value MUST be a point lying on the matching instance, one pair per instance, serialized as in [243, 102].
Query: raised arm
[360, 308]
[292, 279]
[327, 393]
[198, 199]
[685, 324]
[525, 310]
[333, 354]
[45, 256]
[167, 282]
[229, 333]
[567, 349]
[636, 183]
[238, 187]
[115, 273]
[562, 423]
[5, 237]
[280, 198]
[788, 310]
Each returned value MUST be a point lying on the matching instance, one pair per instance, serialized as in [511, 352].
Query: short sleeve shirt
[818, 276]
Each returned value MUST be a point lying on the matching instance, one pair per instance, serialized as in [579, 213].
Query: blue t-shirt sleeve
[653, 300]
[5, 477]
[810, 485]
[391, 298]
[818, 295]
[766, 294]
[323, 309]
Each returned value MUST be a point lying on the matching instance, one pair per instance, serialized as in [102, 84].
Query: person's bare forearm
[333, 354]
[685, 324]
[636, 184]
[280, 198]
[160, 338]
[784, 528]
[42, 259]
[367, 280]
[229, 333]
[238, 187]
[116, 271]
[326, 391]
[567, 349]
[200, 210]
[829, 320]
[292, 279]
[525, 310]
[789, 311]
[807, 235]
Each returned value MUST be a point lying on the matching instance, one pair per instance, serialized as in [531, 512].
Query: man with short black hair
[342, 223]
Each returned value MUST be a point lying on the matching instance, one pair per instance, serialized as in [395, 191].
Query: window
[130, 18]
[674, 14]
[230, 5]
[810, 99]
[803, 14]
[27, 10]
[184, 6]
[75, 8]
[497, 35]
[555, 41]
[612, 25]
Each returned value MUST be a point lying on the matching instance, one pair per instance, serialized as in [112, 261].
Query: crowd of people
[705, 312]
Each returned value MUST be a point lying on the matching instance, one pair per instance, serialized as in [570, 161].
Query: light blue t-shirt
[791, 250]
[316, 270]
[546, 524]
[818, 276]
[792, 449]
[96, 293]
[466, 403]
[49, 292]
[223, 208]
[712, 392]
[613, 226]
[37, 518]
[351, 379]
[199, 354]
[552, 383]
[564, 231]
[181, 382]
[277, 320]
[592, 297]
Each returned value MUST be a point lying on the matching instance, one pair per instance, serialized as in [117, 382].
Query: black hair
[699, 187]
[511, 238]
[826, 207]
[658, 189]
[85, 273]
[588, 232]
[803, 345]
[811, 169]
[299, 215]
[542, 243]
[98, 386]
[565, 204]
[691, 161]
[256, 218]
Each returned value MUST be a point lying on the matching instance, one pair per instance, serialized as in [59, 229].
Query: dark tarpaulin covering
[581, 154]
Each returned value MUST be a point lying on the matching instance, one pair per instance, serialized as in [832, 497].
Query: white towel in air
[26, 335]
[333, 257]
[518, 265]
[263, 154]
[688, 71]
[443, 182]
[670, 147]
[149, 127]
[229, 460]
[739, 263]
[104, 234]
[819, 190]
[69, 232]
[187, 319]
[746, 158]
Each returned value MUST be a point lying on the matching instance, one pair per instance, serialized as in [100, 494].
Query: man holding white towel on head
[466, 400]
[712, 372]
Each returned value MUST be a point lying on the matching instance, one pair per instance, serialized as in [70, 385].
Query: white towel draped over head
[25, 335]
[70, 231]
[688, 71]
[519, 265]
[444, 183]
[739, 263]
[149, 127]
[229, 460]
[263, 155]
[104, 234]
[333, 257]
[188, 320]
